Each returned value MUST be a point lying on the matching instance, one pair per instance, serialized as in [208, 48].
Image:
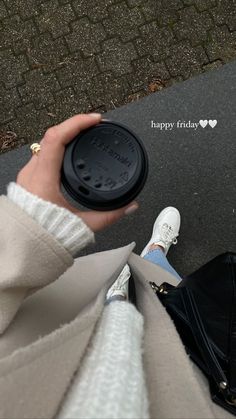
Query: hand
[41, 175]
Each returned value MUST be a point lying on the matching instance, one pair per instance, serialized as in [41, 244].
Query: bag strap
[203, 343]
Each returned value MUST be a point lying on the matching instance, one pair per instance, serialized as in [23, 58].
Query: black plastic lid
[105, 167]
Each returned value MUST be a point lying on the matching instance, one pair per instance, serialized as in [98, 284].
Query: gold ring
[35, 148]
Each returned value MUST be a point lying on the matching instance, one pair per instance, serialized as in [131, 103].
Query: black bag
[203, 308]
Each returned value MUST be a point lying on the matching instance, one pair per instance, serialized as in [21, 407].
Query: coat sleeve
[30, 258]
[68, 228]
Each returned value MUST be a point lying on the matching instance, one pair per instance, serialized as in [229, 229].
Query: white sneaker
[165, 230]
[121, 286]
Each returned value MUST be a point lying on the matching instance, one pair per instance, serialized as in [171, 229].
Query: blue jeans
[158, 257]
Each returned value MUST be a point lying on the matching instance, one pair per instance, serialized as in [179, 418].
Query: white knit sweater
[111, 380]
[65, 226]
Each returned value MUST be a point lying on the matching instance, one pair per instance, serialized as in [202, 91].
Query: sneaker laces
[167, 234]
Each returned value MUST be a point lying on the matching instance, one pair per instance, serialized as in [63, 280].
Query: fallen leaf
[7, 139]
[156, 85]
[11, 133]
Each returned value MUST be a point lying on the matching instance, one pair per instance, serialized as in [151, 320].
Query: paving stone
[202, 5]
[3, 10]
[9, 99]
[6, 113]
[225, 13]
[185, 60]
[191, 27]
[117, 56]
[26, 9]
[173, 80]
[86, 36]
[146, 71]
[165, 12]
[212, 66]
[12, 68]
[17, 33]
[39, 88]
[123, 21]
[55, 19]
[30, 124]
[133, 3]
[97, 12]
[222, 44]
[68, 103]
[78, 73]
[107, 90]
[154, 41]
[188, 2]
[47, 51]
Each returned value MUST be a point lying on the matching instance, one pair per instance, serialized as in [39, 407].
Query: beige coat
[35, 373]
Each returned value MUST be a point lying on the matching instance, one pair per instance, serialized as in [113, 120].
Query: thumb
[98, 220]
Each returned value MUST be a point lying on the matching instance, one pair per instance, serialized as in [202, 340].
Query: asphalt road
[191, 168]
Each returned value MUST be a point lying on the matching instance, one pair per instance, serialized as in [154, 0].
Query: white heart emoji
[212, 122]
[203, 123]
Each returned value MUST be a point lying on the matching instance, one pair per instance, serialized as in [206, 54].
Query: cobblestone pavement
[61, 57]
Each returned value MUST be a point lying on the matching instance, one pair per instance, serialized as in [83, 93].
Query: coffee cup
[105, 167]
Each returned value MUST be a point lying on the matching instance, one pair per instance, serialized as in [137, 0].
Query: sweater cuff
[69, 229]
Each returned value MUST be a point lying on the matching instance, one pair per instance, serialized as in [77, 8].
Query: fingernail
[95, 115]
[131, 209]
